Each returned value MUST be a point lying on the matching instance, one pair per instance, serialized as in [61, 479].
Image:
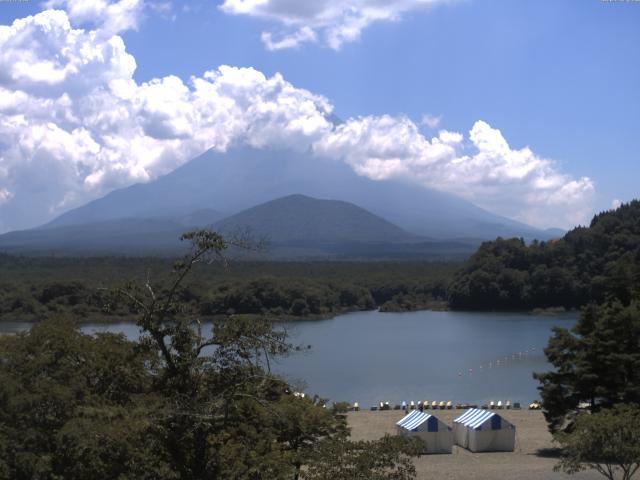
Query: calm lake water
[372, 356]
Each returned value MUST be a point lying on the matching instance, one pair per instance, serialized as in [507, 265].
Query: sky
[528, 109]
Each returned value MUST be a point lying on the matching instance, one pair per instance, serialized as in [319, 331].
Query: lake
[373, 356]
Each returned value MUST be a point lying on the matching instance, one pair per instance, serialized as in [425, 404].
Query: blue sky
[562, 78]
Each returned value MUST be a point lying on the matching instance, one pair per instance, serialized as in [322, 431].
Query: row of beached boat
[442, 405]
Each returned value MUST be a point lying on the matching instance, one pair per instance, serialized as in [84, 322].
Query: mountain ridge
[244, 177]
[295, 226]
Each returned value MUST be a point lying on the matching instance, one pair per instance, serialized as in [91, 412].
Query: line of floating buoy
[498, 362]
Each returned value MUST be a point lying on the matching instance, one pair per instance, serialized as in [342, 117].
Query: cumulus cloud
[43, 56]
[108, 16]
[514, 182]
[335, 21]
[74, 125]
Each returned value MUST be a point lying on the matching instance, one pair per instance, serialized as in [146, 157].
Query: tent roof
[475, 417]
[414, 420]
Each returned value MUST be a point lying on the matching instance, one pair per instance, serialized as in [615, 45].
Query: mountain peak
[243, 177]
[298, 218]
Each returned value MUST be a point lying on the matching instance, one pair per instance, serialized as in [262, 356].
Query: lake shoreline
[113, 320]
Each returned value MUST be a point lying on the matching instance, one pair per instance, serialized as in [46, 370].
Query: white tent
[437, 436]
[484, 431]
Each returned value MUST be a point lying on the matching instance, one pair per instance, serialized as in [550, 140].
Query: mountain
[295, 226]
[298, 219]
[244, 177]
[555, 232]
[131, 236]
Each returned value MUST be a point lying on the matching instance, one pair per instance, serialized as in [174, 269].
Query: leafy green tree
[607, 441]
[178, 404]
[389, 458]
[226, 400]
[53, 381]
[597, 362]
[589, 264]
[302, 422]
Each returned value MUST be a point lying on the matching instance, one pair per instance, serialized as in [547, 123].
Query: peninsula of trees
[588, 265]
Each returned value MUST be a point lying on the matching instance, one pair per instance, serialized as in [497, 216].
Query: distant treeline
[39, 287]
[589, 265]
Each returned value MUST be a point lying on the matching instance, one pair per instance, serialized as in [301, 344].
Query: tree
[226, 400]
[178, 404]
[598, 263]
[56, 386]
[386, 459]
[598, 362]
[608, 442]
[303, 422]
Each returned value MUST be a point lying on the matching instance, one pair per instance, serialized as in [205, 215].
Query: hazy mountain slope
[295, 226]
[299, 219]
[244, 177]
[124, 235]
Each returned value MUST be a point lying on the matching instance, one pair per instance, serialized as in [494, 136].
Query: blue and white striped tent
[484, 431]
[436, 435]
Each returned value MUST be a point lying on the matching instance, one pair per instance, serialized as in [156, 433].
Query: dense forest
[34, 288]
[169, 407]
[589, 264]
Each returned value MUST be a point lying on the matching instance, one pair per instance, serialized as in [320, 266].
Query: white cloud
[431, 121]
[44, 56]
[616, 203]
[336, 21]
[107, 16]
[77, 125]
[303, 35]
[5, 195]
[516, 183]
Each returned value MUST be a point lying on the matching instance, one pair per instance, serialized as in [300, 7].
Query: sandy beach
[533, 458]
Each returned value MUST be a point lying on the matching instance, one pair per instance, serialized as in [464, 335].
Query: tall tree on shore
[180, 404]
[608, 442]
[597, 362]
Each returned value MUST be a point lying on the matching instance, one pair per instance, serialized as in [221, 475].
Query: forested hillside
[589, 264]
[34, 288]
